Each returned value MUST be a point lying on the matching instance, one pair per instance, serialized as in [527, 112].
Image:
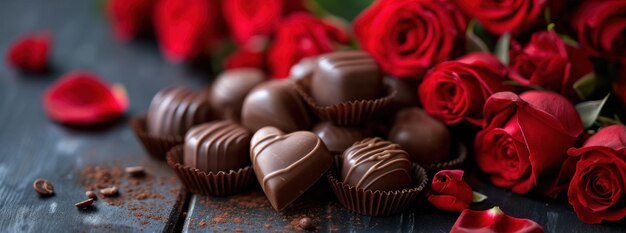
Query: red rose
[598, 189]
[501, 16]
[187, 29]
[493, 220]
[302, 35]
[455, 91]
[247, 19]
[130, 17]
[30, 53]
[407, 37]
[82, 98]
[449, 192]
[601, 28]
[546, 61]
[524, 141]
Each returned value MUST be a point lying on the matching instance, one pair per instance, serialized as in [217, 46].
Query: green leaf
[568, 40]
[590, 110]
[347, 9]
[478, 197]
[502, 48]
[586, 85]
[473, 43]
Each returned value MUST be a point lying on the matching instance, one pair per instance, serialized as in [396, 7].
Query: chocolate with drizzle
[376, 164]
[217, 146]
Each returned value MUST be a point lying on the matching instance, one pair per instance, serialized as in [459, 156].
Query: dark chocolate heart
[287, 164]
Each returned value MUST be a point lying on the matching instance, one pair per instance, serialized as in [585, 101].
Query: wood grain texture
[32, 146]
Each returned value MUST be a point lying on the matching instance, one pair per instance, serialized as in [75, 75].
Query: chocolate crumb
[144, 222]
[109, 192]
[84, 204]
[202, 223]
[91, 194]
[305, 223]
[237, 220]
[267, 226]
[43, 187]
[136, 171]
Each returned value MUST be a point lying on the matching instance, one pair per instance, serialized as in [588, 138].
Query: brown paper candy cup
[157, 147]
[460, 153]
[211, 184]
[347, 113]
[377, 203]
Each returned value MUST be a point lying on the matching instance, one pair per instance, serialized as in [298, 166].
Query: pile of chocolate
[336, 118]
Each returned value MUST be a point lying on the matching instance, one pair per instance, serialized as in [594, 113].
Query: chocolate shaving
[109, 192]
[136, 171]
[91, 194]
[84, 204]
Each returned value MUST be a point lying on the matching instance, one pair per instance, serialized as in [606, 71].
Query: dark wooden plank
[32, 146]
[236, 213]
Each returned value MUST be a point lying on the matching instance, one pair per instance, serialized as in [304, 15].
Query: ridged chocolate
[425, 139]
[376, 164]
[217, 146]
[303, 70]
[230, 90]
[287, 165]
[337, 138]
[346, 76]
[275, 103]
[174, 110]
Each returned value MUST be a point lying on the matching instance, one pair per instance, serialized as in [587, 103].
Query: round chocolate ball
[230, 90]
[217, 146]
[174, 110]
[346, 76]
[376, 164]
[426, 139]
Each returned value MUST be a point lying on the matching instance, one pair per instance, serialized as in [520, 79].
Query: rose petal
[82, 98]
[30, 53]
[493, 220]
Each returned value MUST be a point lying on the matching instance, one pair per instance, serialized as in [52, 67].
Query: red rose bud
[407, 37]
[187, 29]
[524, 141]
[547, 62]
[491, 221]
[456, 91]
[82, 98]
[302, 35]
[449, 192]
[601, 27]
[130, 17]
[247, 19]
[597, 190]
[30, 53]
[501, 16]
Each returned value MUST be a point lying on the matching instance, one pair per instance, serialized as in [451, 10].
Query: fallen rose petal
[30, 53]
[82, 98]
[493, 220]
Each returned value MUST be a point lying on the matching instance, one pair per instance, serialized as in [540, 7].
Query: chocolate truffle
[337, 138]
[376, 164]
[217, 146]
[346, 76]
[230, 90]
[275, 103]
[426, 139]
[287, 165]
[174, 110]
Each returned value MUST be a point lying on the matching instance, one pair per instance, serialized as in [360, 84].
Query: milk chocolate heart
[287, 164]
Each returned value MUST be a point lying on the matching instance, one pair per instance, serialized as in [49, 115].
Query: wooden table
[32, 146]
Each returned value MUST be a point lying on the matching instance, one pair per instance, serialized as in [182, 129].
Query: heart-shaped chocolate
[287, 164]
